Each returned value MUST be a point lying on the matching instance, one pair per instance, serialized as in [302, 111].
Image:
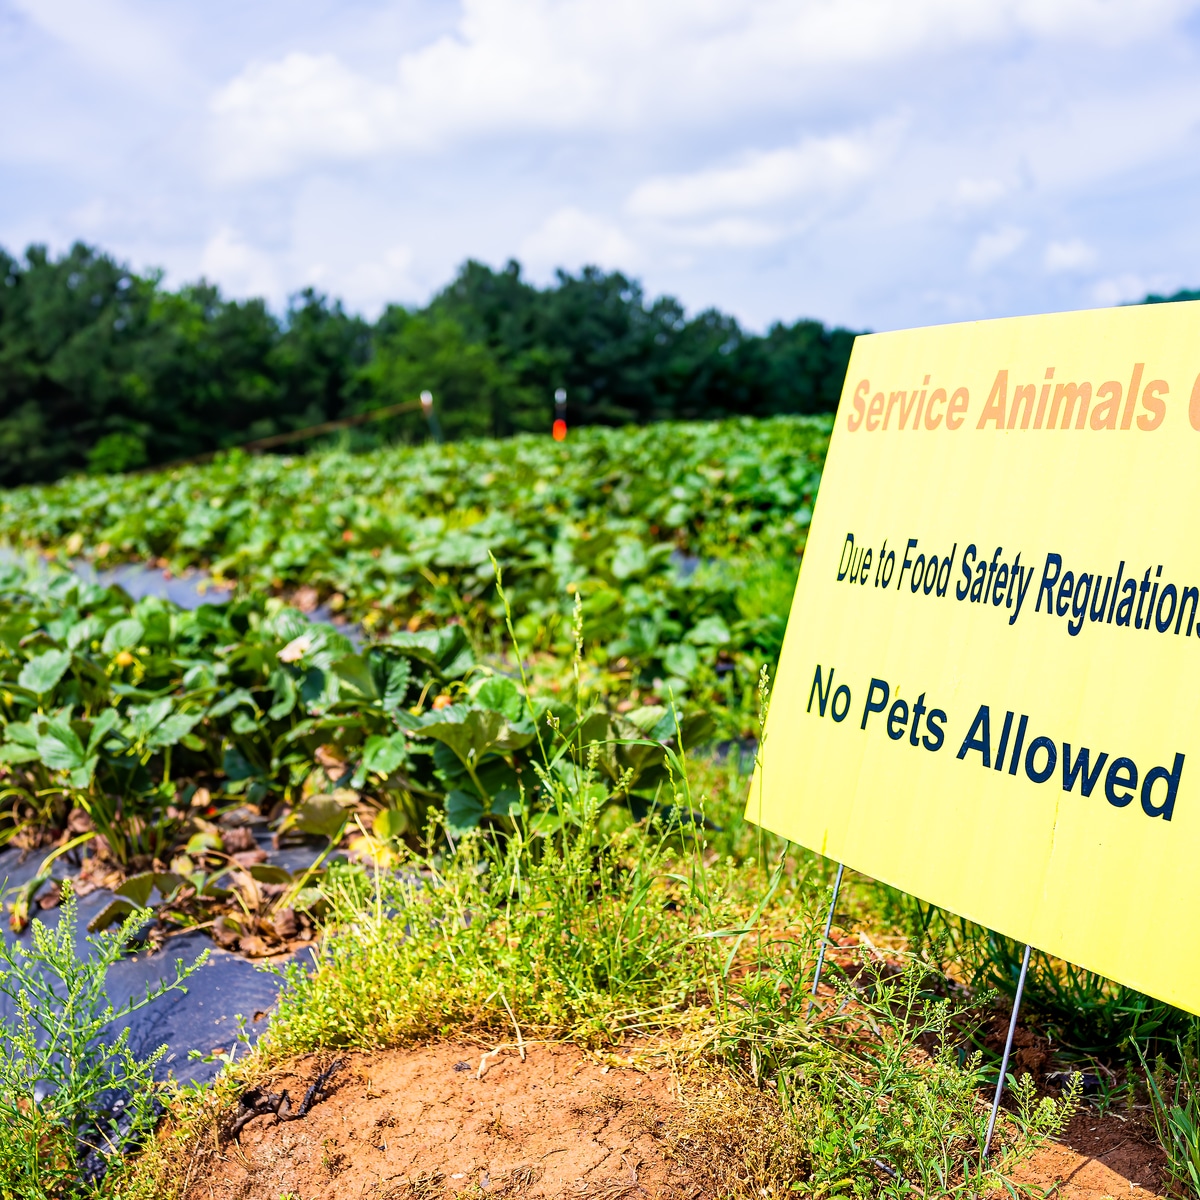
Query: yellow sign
[989, 692]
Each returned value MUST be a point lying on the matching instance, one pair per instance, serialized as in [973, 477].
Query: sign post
[1008, 1041]
[989, 688]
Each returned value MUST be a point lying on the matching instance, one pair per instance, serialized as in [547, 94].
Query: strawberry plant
[127, 728]
[682, 540]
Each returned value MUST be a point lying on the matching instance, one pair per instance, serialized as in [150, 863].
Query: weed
[73, 1095]
[559, 932]
[1175, 1108]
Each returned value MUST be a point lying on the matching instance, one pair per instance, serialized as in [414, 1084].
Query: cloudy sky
[878, 163]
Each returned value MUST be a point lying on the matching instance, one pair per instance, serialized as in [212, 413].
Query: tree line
[104, 369]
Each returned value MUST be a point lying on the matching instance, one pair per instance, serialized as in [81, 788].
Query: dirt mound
[422, 1124]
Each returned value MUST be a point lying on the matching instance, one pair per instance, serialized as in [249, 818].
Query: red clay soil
[420, 1125]
[1098, 1157]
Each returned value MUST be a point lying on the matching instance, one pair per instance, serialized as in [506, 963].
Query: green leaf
[21, 732]
[84, 632]
[236, 766]
[681, 659]
[243, 724]
[144, 719]
[389, 823]
[124, 635]
[14, 752]
[473, 732]
[172, 730]
[320, 815]
[709, 631]
[545, 823]
[284, 687]
[354, 671]
[463, 812]
[81, 776]
[114, 911]
[138, 888]
[506, 802]
[392, 675]
[446, 650]
[647, 717]
[265, 873]
[502, 695]
[41, 674]
[102, 726]
[59, 746]
[306, 899]
[384, 754]
[200, 844]
[629, 560]
[237, 698]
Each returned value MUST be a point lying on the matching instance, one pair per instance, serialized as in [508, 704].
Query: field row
[682, 541]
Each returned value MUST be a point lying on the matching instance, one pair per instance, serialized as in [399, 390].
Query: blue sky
[879, 163]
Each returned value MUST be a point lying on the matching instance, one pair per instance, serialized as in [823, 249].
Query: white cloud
[738, 233]
[610, 65]
[115, 37]
[276, 115]
[772, 157]
[761, 179]
[1130, 286]
[239, 266]
[1072, 255]
[979, 193]
[994, 247]
[573, 238]
[380, 280]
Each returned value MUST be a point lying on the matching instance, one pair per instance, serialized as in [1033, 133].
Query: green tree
[414, 352]
[103, 369]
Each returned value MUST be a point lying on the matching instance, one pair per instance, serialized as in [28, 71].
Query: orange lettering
[958, 404]
[873, 411]
[939, 397]
[1104, 415]
[856, 417]
[1152, 402]
[1028, 393]
[993, 410]
[1131, 395]
[887, 416]
[1070, 392]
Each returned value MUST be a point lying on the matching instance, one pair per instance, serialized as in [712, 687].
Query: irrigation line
[1008, 1041]
[296, 435]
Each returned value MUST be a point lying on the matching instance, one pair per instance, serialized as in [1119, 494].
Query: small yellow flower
[124, 659]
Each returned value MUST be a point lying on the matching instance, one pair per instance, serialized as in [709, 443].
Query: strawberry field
[681, 540]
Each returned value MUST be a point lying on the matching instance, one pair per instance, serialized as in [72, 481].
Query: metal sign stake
[1012, 1027]
[837, 884]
